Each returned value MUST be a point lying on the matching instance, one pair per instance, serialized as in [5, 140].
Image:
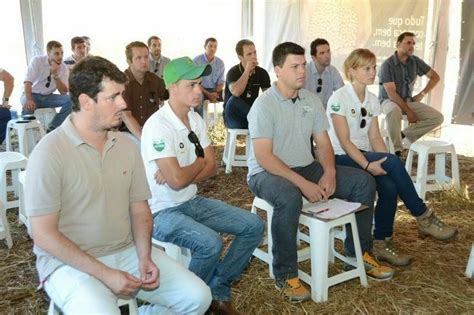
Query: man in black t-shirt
[243, 83]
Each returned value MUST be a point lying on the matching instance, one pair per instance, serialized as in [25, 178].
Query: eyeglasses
[195, 140]
[49, 81]
[363, 112]
[320, 87]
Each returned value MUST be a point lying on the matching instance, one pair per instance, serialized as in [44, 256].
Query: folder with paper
[331, 209]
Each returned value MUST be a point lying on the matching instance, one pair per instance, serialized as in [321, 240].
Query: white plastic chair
[470, 264]
[422, 179]
[29, 134]
[132, 306]
[229, 157]
[180, 254]
[5, 227]
[321, 251]
[13, 162]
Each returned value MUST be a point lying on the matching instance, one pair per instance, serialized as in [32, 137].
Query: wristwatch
[5, 99]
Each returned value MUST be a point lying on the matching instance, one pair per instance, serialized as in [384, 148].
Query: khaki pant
[428, 119]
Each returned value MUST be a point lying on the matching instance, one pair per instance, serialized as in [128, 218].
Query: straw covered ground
[433, 283]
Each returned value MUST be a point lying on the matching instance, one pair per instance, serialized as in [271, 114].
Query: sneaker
[293, 289]
[375, 270]
[384, 250]
[429, 224]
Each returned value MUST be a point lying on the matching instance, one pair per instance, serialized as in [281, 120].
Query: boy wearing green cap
[177, 155]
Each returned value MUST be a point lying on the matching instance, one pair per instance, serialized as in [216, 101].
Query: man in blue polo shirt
[213, 84]
[322, 78]
[397, 78]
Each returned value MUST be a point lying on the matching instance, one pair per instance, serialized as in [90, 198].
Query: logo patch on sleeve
[159, 145]
[335, 107]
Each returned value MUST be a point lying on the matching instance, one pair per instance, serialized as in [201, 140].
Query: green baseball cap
[184, 69]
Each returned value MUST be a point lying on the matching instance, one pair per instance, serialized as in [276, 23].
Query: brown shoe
[222, 308]
[430, 224]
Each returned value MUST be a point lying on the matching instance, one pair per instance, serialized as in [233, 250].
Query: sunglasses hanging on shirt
[363, 112]
[195, 140]
[48, 84]
[320, 85]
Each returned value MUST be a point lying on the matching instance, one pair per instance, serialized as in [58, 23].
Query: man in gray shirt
[321, 77]
[282, 169]
[397, 77]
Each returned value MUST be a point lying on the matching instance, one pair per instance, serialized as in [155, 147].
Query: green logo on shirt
[159, 145]
[336, 107]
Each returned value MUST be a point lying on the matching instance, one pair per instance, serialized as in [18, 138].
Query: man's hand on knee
[313, 192]
[150, 275]
[121, 283]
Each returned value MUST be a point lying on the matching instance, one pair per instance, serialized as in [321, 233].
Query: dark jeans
[286, 198]
[235, 113]
[396, 183]
[5, 117]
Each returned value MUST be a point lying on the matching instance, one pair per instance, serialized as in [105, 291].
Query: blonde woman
[357, 142]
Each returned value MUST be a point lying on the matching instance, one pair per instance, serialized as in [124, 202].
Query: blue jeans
[396, 183]
[286, 198]
[5, 117]
[50, 101]
[235, 113]
[196, 225]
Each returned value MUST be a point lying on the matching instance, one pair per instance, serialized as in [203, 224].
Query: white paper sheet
[331, 209]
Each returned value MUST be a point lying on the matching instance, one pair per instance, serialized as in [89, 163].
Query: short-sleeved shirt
[289, 125]
[345, 102]
[38, 72]
[91, 191]
[330, 78]
[217, 75]
[404, 75]
[163, 136]
[260, 80]
[144, 99]
[157, 66]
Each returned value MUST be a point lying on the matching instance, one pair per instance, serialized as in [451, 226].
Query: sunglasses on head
[195, 140]
[363, 112]
[49, 81]
[320, 83]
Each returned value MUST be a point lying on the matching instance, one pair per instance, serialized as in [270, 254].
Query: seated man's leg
[428, 119]
[286, 200]
[235, 113]
[393, 118]
[175, 225]
[248, 230]
[180, 290]
[76, 292]
[56, 100]
[357, 186]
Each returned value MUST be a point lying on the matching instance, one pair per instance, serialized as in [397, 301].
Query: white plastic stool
[229, 157]
[470, 264]
[205, 112]
[132, 306]
[5, 227]
[45, 116]
[180, 254]
[386, 135]
[22, 218]
[14, 162]
[321, 251]
[422, 178]
[29, 134]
